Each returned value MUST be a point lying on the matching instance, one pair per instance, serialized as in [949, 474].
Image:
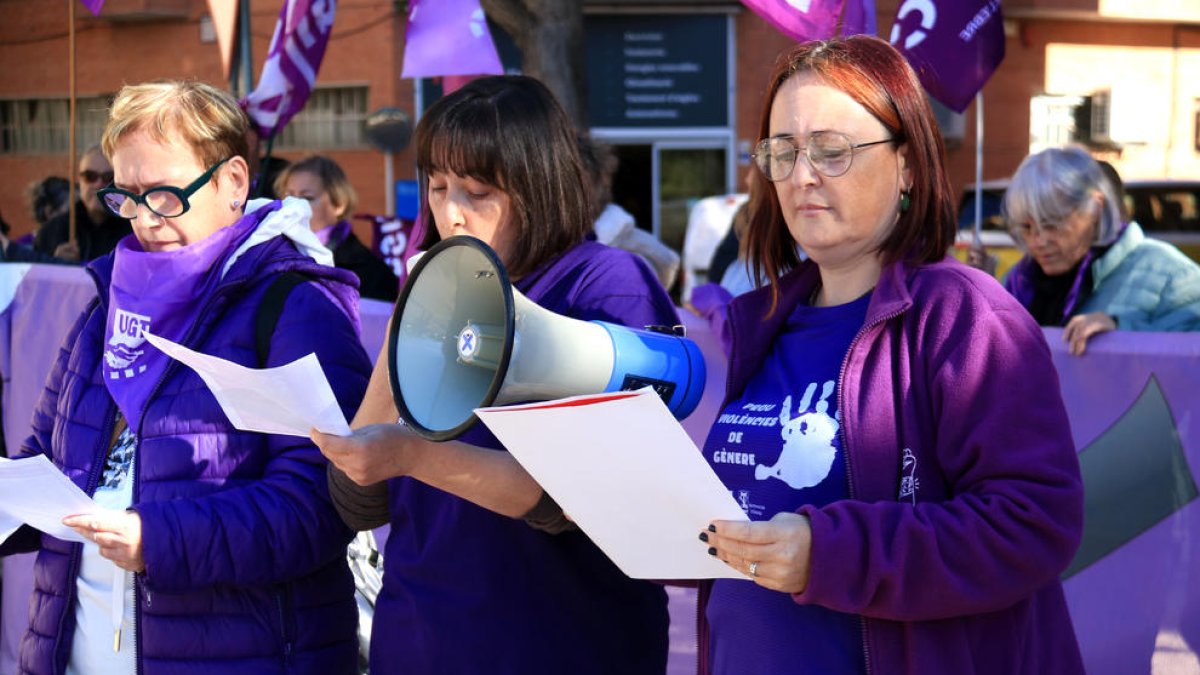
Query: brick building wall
[366, 48]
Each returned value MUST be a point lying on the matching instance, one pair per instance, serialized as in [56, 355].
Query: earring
[905, 201]
[234, 204]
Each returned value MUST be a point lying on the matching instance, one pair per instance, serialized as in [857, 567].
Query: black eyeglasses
[165, 201]
[829, 153]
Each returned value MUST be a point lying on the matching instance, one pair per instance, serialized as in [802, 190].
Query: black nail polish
[712, 528]
[712, 551]
[703, 536]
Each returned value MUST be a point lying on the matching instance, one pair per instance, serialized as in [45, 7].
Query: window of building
[42, 126]
[1053, 121]
[1196, 128]
[334, 117]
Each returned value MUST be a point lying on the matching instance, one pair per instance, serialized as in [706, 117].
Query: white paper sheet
[628, 474]
[290, 399]
[8, 524]
[34, 491]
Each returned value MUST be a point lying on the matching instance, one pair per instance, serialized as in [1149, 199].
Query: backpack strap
[269, 310]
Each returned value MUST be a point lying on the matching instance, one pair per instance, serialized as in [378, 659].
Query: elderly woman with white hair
[1085, 268]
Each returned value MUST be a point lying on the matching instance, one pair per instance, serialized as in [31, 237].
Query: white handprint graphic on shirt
[808, 450]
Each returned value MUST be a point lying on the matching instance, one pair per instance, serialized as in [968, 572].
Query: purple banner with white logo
[954, 45]
[293, 60]
[395, 240]
[448, 37]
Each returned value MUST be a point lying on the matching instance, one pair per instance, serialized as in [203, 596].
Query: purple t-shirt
[466, 590]
[776, 447]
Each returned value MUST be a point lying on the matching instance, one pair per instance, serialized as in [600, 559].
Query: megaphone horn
[463, 338]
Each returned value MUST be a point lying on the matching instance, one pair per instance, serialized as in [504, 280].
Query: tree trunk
[549, 34]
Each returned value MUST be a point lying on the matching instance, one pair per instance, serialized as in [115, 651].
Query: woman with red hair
[912, 485]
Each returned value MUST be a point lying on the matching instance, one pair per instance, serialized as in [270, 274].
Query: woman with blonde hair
[216, 549]
[322, 183]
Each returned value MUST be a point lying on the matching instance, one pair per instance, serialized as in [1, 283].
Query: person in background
[97, 231]
[614, 225]
[482, 572]
[731, 252]
[48, 198]
[12, 251]
[732, 276]
[322, 183]
[1118, 187]
[913, 490]
[216, 549]
[1086, 268]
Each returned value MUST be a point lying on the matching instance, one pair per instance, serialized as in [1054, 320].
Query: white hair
[1053, 184]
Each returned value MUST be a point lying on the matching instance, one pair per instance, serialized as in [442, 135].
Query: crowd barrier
[1134, 406]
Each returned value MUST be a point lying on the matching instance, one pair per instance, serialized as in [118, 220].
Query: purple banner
[954, 45]
[295, 55]
[1134, 588]
[859, 18]
[93, 6]
[448, 37]
[395, 240]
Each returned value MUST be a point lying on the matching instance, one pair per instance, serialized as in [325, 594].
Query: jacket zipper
[76, 561]
[850, 487]
[137, 474]
[699, 610]
[285, 633]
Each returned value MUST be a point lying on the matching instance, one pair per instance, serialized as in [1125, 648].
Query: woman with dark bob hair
[482, 573]
[913, 491]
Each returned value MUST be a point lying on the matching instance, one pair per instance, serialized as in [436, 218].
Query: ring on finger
[754, 569]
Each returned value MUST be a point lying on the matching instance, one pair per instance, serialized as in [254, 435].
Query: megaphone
[463, 338]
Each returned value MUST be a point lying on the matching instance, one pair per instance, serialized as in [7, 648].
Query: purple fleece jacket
[245, 554]
[966, 498]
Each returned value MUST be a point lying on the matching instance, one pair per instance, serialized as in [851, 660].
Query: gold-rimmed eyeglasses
[830, 154]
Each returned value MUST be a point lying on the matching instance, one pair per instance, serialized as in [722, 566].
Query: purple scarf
[163, 293]
[334, 234]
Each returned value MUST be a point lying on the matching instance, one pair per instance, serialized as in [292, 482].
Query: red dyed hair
[879, 79]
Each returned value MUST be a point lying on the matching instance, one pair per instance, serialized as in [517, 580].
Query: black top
[95, 240]
[375, 277]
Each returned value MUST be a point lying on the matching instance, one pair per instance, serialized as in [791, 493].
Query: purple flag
[93, 6]
[859, 18]
[954, 45]
[448, 37]
[801, 20]
[394, 239]
[292, 64]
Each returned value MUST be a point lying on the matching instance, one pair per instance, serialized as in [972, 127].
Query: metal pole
[246, 62]
[978, 167]
[74, 169]
[389, 183]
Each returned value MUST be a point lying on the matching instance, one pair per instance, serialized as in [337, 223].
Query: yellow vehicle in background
[1166, 209]
[994, 232]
